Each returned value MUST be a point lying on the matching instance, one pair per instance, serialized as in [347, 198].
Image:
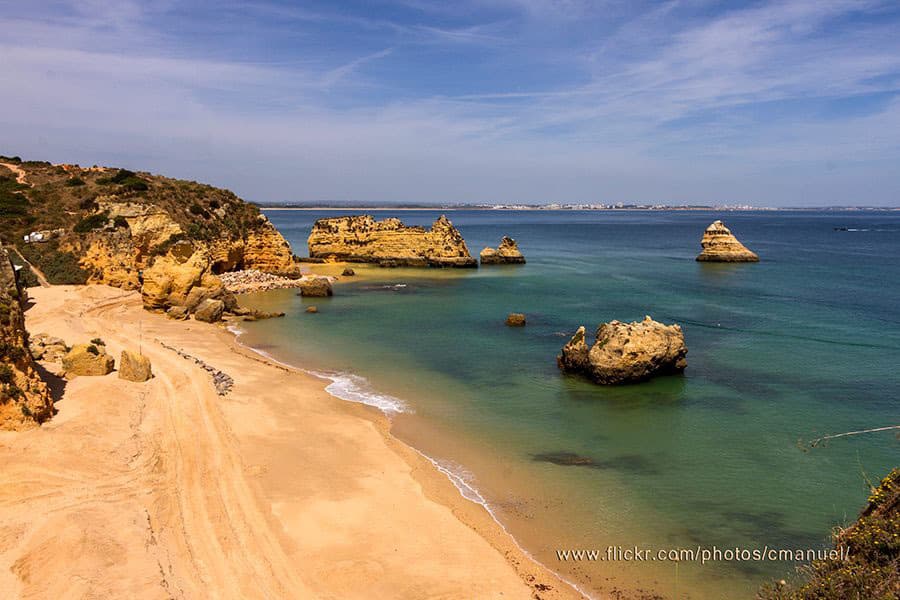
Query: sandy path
[19, 172]
[278, 490]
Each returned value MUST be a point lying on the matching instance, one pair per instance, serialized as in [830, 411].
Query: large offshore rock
[626, 352]
[507, 253]
[24, 397]
[389, 242]
[719, 245]
[134, 367]
[88, 359]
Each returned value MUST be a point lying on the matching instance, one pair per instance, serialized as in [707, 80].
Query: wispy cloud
[530, 100]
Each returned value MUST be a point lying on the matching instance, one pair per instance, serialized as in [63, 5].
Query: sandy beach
[276, 490]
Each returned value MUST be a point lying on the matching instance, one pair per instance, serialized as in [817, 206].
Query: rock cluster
[254, 280]
[626, 352]
[507, 253]
[389, 242]
[47, 348]
[134, 367]
[88, 360]
[209, 311]
[24, 397]
[221, 380]
[719, 245]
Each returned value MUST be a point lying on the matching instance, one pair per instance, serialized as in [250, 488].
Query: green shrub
[98, 342]
[10, 159]
[12, 202]
[120, 222]
[11, 352]
[93, 350]
[91, 222]
[60, 268]
[7, 375]
[74, 182]
[127, 179]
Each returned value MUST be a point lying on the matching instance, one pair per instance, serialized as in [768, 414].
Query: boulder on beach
[89, 360]
[179, 313]
[507, 253]
[209, 311]
[316, 287]
[515, 320]
[47, 348]
[719, 245]
[134, 367]
[626, 352]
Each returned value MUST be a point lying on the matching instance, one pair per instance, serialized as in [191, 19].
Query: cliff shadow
[55, 384]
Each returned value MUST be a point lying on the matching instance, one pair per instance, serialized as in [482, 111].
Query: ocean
[803, 344]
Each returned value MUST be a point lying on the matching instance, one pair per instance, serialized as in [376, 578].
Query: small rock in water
[348, 272]
[312, 309]
[515, 320]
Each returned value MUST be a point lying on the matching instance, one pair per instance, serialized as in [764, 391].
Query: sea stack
[626, 352]
[719, 245]
[507, 253]
[389, 243]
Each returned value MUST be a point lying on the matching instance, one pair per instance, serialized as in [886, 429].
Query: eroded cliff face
[719, 245]
[24, 398]
[110, 225]
[389, 242]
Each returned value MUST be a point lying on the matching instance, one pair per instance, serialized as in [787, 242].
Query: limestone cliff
[507, 253]
[626, 352]
[719, 245]
[389, 242]
[24, 398]
[111, 224]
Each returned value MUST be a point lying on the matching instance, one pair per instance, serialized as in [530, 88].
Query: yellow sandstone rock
[719, 245]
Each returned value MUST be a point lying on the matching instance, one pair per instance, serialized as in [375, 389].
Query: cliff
[107, 225]
[24, 398]
[507, 253]
[626, 352]
[389, 242]
[719, 245]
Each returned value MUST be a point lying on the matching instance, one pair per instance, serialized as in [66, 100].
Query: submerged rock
[626, 352]
[389, 243]
[719, 245]
[134, 367]
[507, 253]
[515, 320]
[312, 309]
[88, 360]
[348, 272]
[316, 287]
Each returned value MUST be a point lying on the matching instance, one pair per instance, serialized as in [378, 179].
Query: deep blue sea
[804, 343]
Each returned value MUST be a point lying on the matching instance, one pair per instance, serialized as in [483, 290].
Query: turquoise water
[803, 344]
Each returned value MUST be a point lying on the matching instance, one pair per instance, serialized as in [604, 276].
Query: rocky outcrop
[507, 253]
[626, 352]
[24, 398]
[389, 242]
[134, 367]
[88, 360]
[316, 287]
[183, 277]
[719, 245]
[515, 320]
[348, 272]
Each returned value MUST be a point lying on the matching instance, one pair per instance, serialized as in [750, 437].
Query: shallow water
[802, 344]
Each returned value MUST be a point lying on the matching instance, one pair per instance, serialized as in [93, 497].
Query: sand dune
[277, 490]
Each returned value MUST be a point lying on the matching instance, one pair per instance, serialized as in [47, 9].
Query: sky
[787, 103]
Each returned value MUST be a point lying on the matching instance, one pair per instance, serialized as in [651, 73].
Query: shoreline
[251, 431]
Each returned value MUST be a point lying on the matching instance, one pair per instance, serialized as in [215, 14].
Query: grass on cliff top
[59, 198]
[872, 569]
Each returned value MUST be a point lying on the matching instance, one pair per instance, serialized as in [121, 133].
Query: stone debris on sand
[253, 280]
[222, 381]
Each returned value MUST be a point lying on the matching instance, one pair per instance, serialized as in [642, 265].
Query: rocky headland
[389, 242]
[507, 253]
[720, 245]
[24, 397]
[626, 352]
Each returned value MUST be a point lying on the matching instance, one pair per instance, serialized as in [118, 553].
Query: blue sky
[767, 103]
